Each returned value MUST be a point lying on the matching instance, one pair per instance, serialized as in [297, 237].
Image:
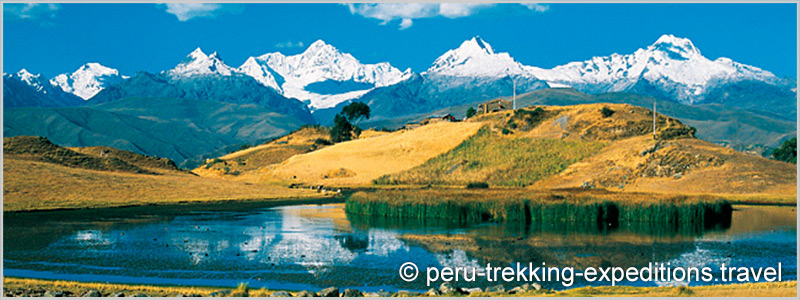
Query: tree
[471, 112]
[343, 123]
[787, 151]
[355, 111]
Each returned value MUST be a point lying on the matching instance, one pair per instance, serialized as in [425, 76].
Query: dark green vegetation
[545, 209]
[345, 124]
[498, 160]
[607, 112]
[787, 151]
[470, 113]
[186, 131]
[477, 185]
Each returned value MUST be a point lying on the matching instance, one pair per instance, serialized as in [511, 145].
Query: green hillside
[186, 131]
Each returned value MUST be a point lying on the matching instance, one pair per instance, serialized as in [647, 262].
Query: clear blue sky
[52, 39]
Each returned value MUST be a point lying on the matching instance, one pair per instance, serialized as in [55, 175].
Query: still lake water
[315, 246]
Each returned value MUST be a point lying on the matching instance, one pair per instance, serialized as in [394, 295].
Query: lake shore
[18, 287]
[306, 194]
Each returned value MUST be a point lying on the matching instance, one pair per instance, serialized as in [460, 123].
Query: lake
[314, 246]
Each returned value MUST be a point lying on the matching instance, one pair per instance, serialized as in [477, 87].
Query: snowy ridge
[198, 63]
[318, 63]
[476, 58]
[88, 80]
[30, 79]
[672, 64]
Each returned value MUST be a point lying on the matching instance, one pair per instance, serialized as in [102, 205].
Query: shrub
[323, 142]
[526, 119]
[477, 185]
[470, 113]
[607, 112]
[506, 131]
[676, 132]
[787, 151]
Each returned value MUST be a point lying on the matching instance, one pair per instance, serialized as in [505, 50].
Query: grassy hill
[609, 146]
[360, 161]
[252, 159]
[743, 130]
[185, 131]
[41, 175]
[520, 148]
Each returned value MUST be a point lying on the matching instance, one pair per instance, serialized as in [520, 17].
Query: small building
[494, 105]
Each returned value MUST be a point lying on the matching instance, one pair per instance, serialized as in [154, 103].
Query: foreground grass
[767, 289]
[31, 185]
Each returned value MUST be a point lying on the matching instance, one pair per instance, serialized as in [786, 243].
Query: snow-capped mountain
[88, 80]
[24, 89]
[476, 58]
[673, 66]
[30, 79]
[198, 63]
[339, 76]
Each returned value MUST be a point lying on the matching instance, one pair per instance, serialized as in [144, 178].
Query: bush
[787, 151]
[677, 132]
[323, 142]
[477, 185]
[470, 113]
[526, 119]
[607, 112]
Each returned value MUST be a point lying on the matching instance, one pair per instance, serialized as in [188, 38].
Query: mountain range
[312, 86]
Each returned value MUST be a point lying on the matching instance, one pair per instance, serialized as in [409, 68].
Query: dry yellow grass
[730, 174]
[362, 160]
[31, 185]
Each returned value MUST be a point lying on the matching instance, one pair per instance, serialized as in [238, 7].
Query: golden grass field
[766, 289]
[360, 161]
[29, 185]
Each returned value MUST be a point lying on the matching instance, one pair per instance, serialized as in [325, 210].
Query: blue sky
[53, 39]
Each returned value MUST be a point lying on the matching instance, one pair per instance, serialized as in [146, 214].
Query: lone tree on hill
[787, 151]
[345, 123]
[470, 113]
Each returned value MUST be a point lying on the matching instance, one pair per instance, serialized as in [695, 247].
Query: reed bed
[545, 209]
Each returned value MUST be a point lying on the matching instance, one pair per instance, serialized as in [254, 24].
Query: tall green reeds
[680, 213]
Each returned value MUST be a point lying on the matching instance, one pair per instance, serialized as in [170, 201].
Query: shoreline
[348, 191]
[16, 287]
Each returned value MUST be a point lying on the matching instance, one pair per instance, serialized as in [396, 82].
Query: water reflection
[315, 246]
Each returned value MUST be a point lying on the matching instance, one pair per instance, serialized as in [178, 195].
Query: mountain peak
[475, 57]
[25, 75]
[319, 46]
[198, 63]
[88, 80]
[675, 46]
[475, 45]
[197, 54]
